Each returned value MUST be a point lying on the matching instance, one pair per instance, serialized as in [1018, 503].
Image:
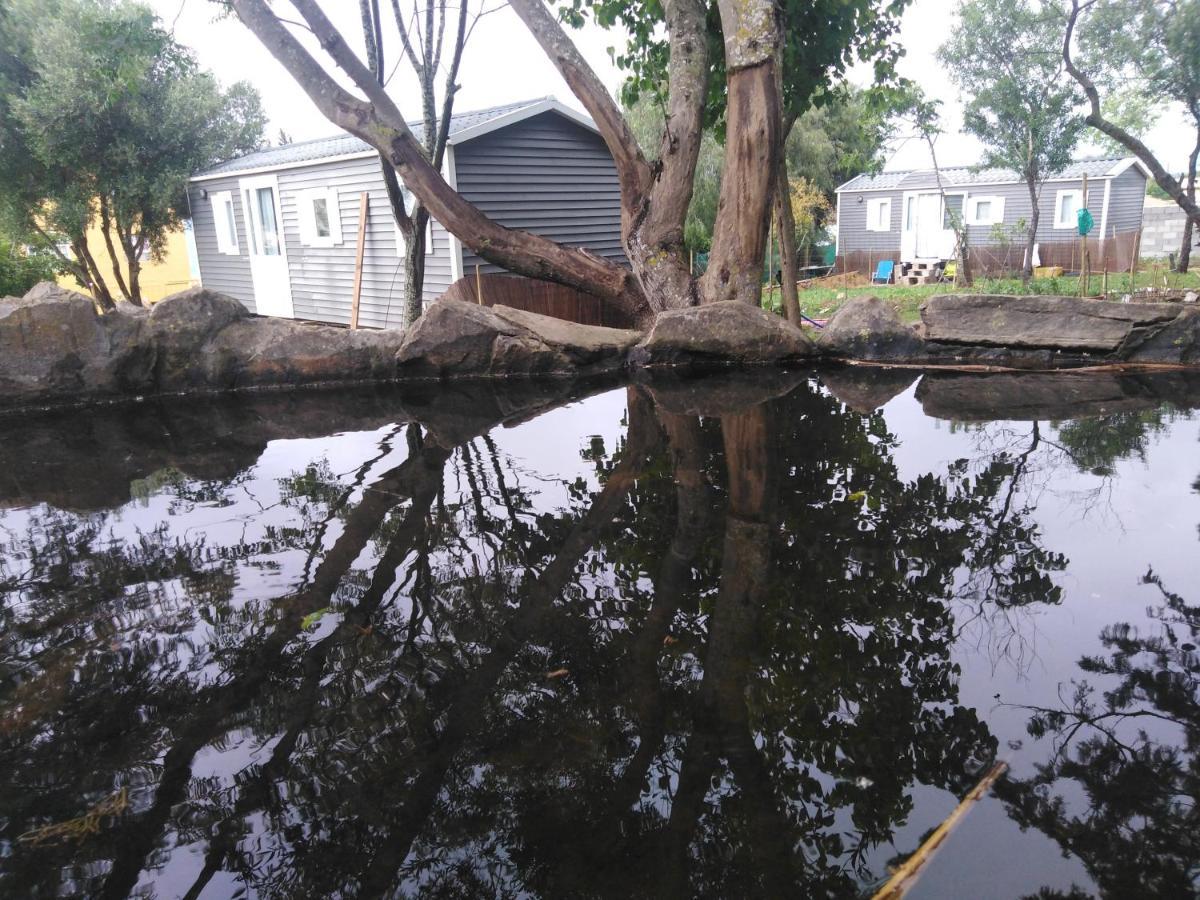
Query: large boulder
[54, 345]
[716, 334]
[869, 328]
[180, 326]
[456, 338]
[257, 352]
[1066, 323]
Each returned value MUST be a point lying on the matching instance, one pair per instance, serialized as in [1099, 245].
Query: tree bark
[787, 243]
[1189, 227]
[1096, 119]
[753, 144]
[414, 268]
[99, 288]
[113, 258]
[1031, 238]
[133, 258]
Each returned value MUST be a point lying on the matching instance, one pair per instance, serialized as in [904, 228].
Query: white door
[268, 256]
[929, 226]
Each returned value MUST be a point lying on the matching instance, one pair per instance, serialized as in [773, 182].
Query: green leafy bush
[21, 270]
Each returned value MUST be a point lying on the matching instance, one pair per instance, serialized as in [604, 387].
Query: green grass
[822, 302]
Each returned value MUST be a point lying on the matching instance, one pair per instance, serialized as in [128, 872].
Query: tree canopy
[1005, 58]
[103, 118]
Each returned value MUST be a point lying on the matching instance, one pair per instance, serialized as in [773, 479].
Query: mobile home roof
[958, 176]
[463, 127]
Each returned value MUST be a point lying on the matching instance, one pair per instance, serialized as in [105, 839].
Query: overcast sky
[502, 63]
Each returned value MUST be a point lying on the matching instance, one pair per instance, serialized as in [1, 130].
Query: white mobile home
[901, 215]
[277, 228]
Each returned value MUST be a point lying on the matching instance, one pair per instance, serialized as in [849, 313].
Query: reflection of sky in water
[1111, 529]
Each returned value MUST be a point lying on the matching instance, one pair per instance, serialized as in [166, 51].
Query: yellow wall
[158, 279]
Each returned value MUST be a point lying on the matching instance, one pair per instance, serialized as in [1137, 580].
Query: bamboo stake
[478, 286]
[906, 876]
[356, 296]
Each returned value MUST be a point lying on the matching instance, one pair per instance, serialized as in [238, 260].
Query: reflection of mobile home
[277, 229]
[902, 215]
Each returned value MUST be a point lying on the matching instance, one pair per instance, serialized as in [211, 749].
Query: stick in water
[906, 876]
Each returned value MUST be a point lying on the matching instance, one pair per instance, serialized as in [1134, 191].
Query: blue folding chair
[883, 274]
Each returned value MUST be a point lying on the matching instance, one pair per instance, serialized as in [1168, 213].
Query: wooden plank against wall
[356, 296]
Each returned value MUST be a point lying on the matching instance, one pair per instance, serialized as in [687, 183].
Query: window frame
[224, 214]
[997, 215]
[945, 222]
[307, 218]
[1058, 199]
[879, 203]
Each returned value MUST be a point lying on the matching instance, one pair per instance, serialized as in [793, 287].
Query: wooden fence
[1113, 254]
[544, 297]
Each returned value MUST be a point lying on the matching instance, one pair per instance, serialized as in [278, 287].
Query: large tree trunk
[753, 144]
[1189, 227]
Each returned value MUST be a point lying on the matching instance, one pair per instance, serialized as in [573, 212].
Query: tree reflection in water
[719, 667]
[1132, 750]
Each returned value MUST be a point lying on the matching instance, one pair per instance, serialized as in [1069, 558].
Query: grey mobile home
[277, 229]
[901, 215]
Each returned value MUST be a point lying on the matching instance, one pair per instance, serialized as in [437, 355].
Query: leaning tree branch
[632, 169]
[379, 123]
[1096, 119]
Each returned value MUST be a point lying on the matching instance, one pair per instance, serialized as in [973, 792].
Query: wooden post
[1084, 267]
[356, 295]
[1133, 261]
[478, 286]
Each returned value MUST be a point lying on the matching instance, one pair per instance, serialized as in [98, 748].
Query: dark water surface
[721, 638]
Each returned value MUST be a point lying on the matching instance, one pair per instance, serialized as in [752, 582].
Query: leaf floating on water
[558, 673]
[313, 618]
[669, 641]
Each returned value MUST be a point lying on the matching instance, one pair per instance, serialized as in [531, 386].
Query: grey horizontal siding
[546, 175]
[1124, 210]
[323, 277]
[218, 271]
[1126, 200]
[852, 223]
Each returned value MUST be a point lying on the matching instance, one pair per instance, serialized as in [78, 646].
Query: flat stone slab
[1066, 323]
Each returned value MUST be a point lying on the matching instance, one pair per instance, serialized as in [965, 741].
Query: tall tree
[1004, 57]
[424, 46]
[1156, 45]
[743, 44]
[103, 118]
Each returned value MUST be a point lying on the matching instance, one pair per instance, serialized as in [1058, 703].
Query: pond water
[739, 636]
